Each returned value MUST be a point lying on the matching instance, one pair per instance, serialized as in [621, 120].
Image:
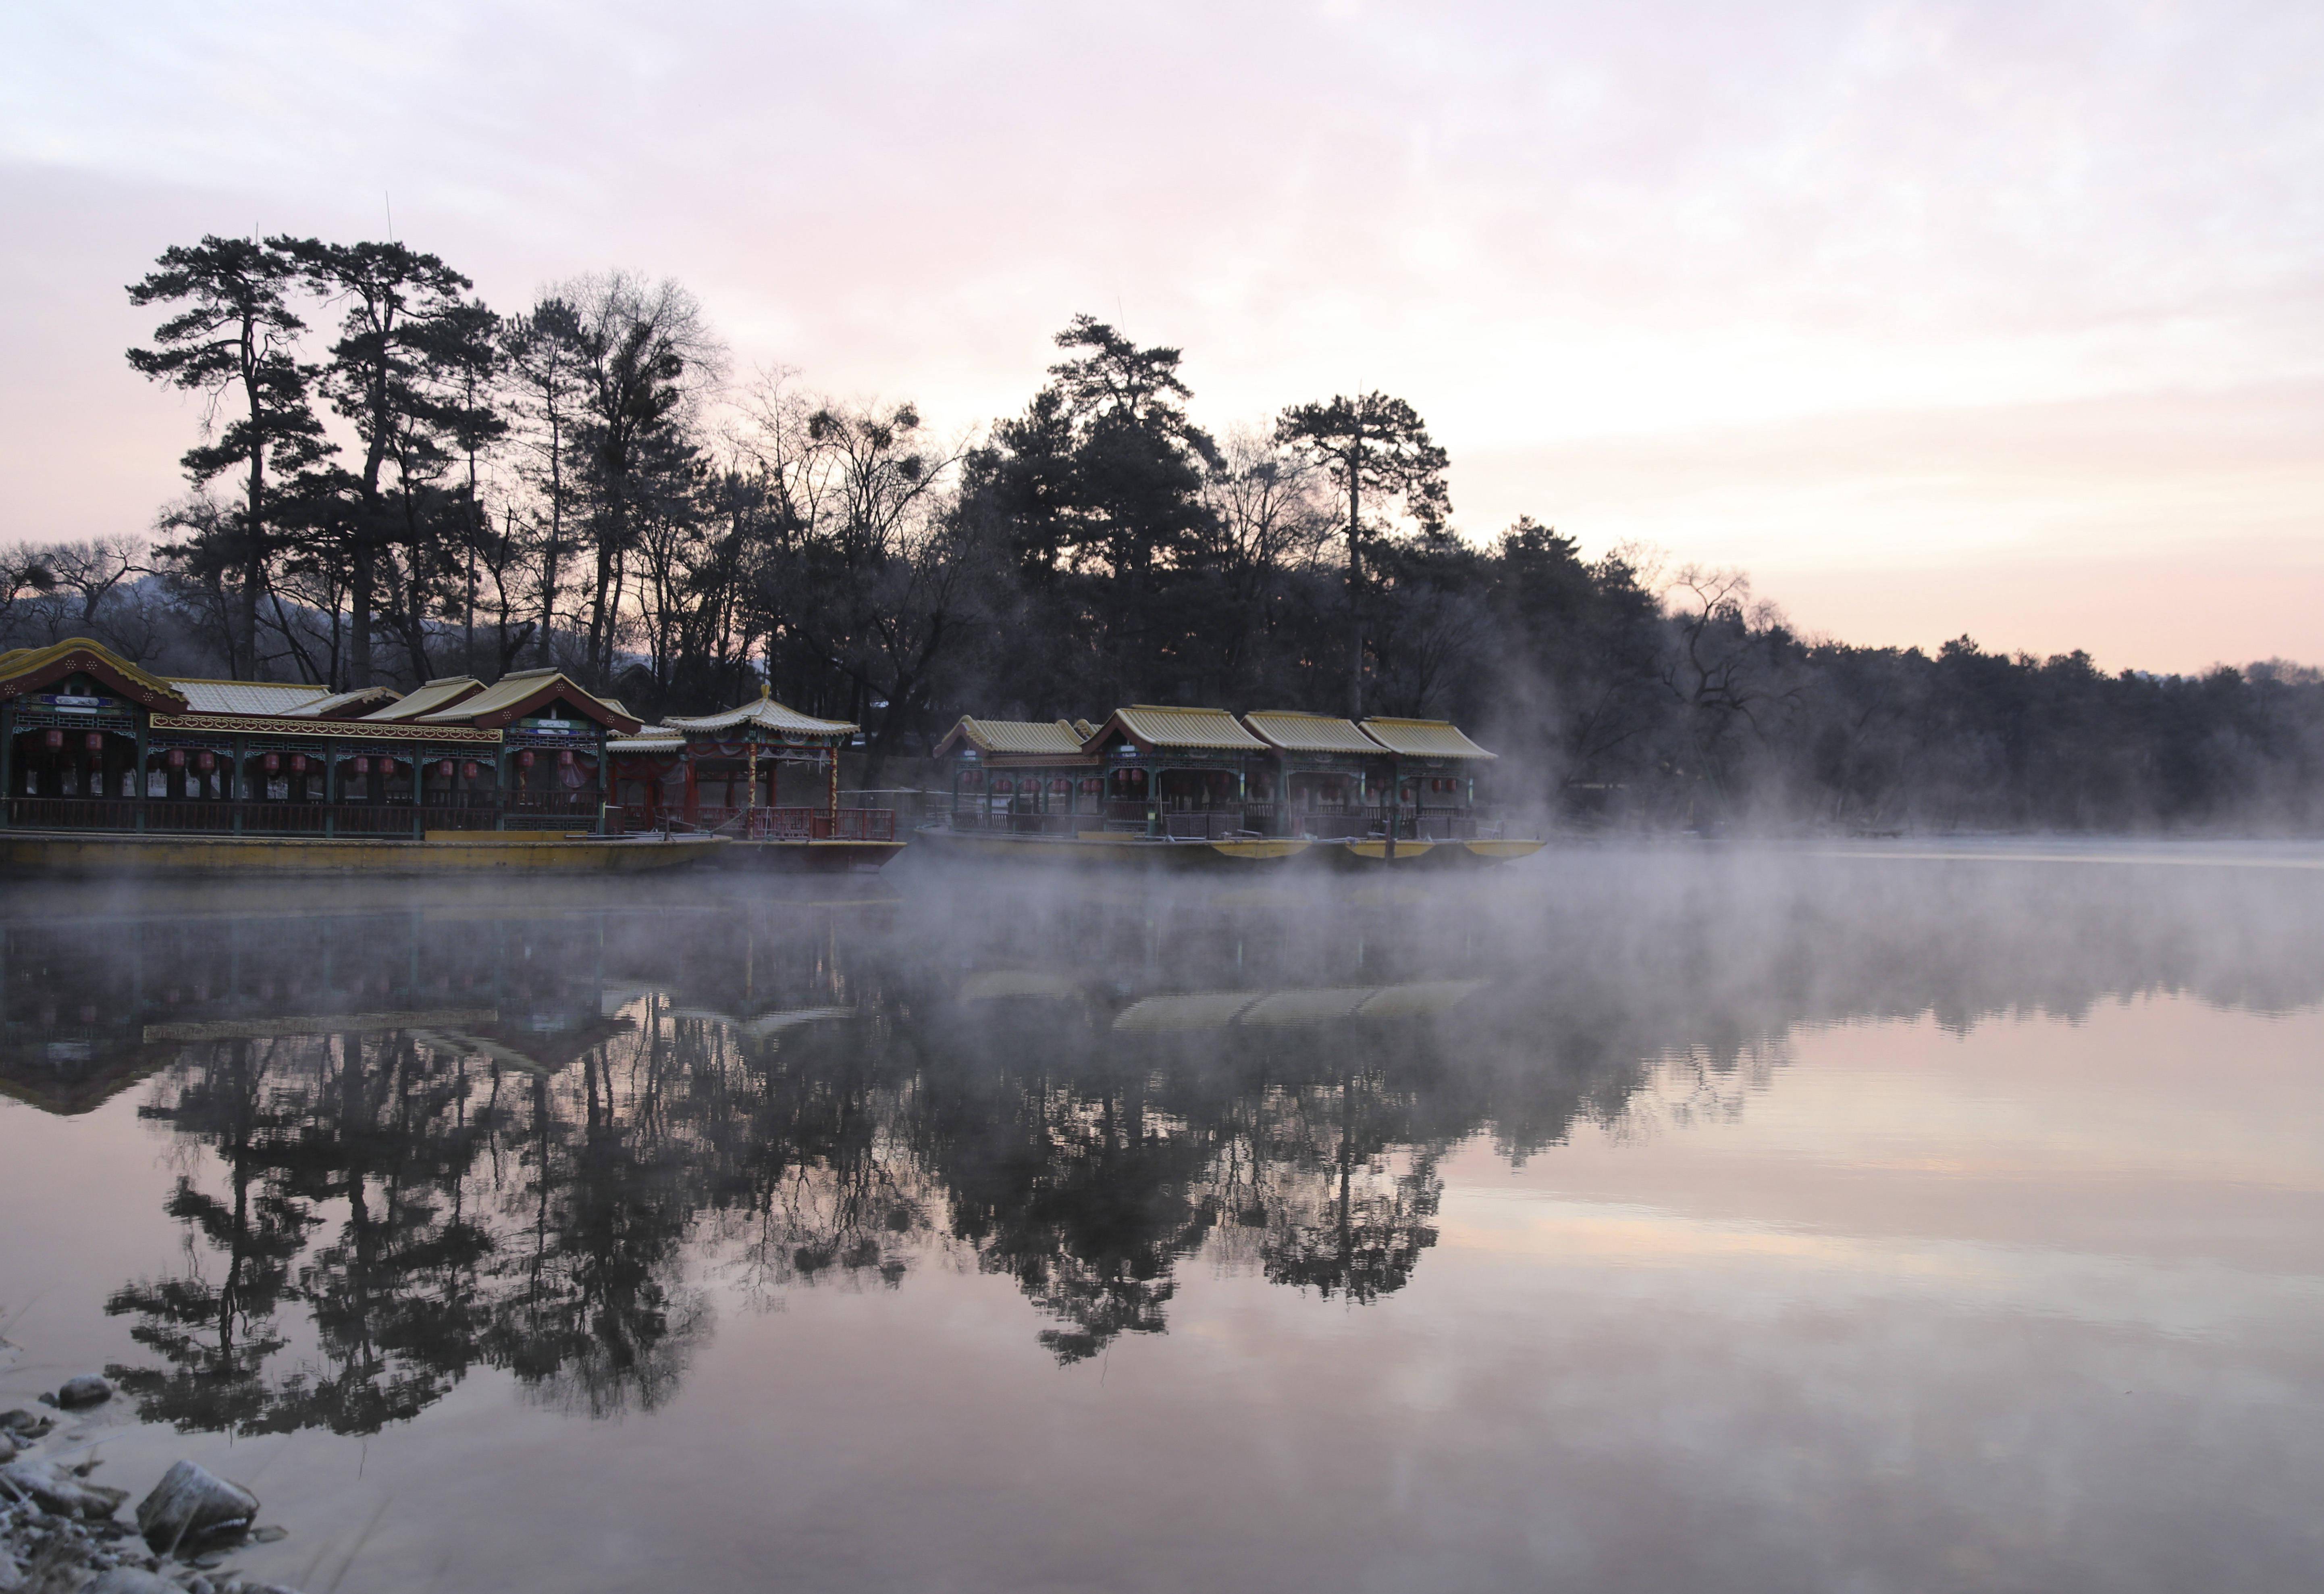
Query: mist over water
[1651, 1218]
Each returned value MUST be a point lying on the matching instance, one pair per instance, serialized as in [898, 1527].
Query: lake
[1660, 1218]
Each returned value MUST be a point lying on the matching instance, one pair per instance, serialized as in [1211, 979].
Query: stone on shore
[88, 1389]
[190, 1503]
[131, 1579]
[59, 1490]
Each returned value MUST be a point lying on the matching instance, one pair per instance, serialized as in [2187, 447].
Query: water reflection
[419, 1141]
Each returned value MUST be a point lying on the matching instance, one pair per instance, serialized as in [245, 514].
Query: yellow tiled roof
[768, 715]
[247, 697]
[1423, 738]
[31, 661]
[439, 694]
[1187, 728]
[317, 708]
[510, 691]
[1014, 737]
[652, 739]
[1294, 732]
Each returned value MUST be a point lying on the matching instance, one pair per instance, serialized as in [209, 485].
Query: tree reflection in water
[540, 1145]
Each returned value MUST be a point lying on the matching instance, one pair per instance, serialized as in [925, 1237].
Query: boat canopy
[1423, 738]
[344, 705]
[1291, 731]
[248, 697]
[1199, 729]
[1015, 738]
[766, 715]
[527, 691]
[439, 694]
[29, 668]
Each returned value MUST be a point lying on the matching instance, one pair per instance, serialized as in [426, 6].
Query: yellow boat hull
[440, 853]
[1105, 849]
[798, 857]
[1371, 854]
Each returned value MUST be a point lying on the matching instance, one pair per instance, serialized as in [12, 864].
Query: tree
[647, 353]
[1378, 446]
[236, 336]
[547, 356]
[407, 330]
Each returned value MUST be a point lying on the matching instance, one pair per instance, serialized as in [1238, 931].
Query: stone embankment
[62, 1533]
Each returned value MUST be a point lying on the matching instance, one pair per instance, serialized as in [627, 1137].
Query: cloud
[1564, 232]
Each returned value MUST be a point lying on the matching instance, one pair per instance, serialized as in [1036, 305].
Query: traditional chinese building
[1181, 773]
[765, 771]
[1020, 775]
[89, 740]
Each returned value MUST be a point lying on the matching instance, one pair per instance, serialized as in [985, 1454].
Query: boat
[1198, 787]
[108, 769]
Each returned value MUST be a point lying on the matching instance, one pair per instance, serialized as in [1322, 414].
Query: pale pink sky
[2003, 320]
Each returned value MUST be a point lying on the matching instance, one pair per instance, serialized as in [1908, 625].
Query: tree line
[393, 481]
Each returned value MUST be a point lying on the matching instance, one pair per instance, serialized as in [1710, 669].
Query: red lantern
[94, 741]
[363, 765]
[1003, 785]
[271, 763]
[177, 758]
[205, 762]
[55, 738]
[565, 755]
[469, 769]
[298, 763]
[445, 769]
[1060, 787]
[524, 759]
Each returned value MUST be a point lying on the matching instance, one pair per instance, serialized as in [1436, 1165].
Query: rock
[8, 1445]
[129, 1580]
[190, 1503]
[26, 1424]
[88, 1389]
[269, 1533]
[59, 1491]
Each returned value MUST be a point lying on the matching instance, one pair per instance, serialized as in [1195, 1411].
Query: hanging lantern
[94, 741]
[445, 769]
[55, 738]
[206, 761]
[271, 763]
[469, 769]
[1061, 787]
[524, 759]
[177, 758]
[298, 763]
[1092, 786]
[1003, 786]
[565, 757]
[363, 765]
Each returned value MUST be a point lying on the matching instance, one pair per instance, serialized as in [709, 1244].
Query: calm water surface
[1665, 1219]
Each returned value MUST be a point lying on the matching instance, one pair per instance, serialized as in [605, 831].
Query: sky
[2001, 320]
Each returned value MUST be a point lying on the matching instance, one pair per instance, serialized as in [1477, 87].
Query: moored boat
[1191, 787]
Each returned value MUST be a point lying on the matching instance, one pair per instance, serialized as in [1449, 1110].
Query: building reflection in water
[436, 1139]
